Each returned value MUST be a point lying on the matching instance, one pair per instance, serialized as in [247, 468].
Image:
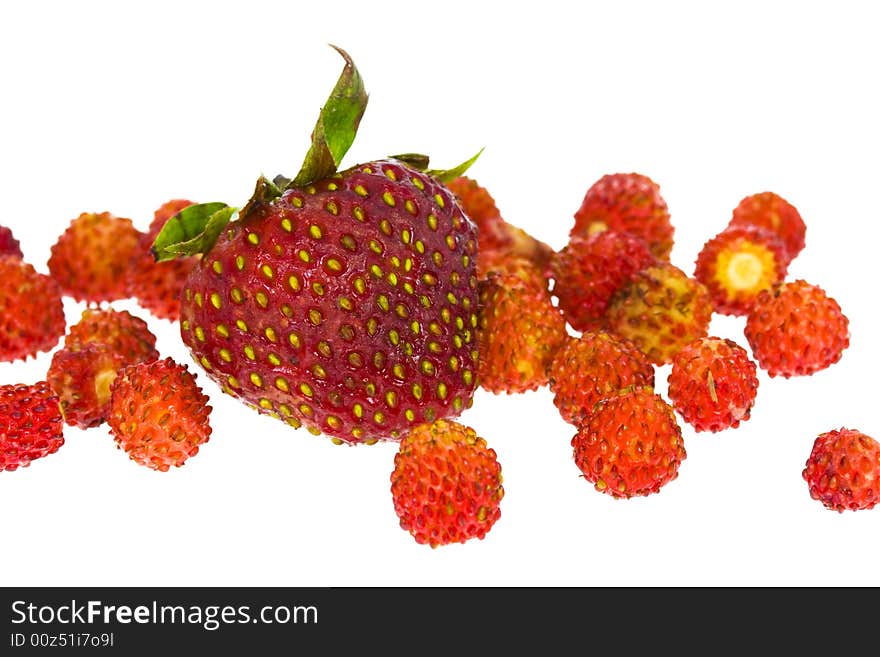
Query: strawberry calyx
[195, 229]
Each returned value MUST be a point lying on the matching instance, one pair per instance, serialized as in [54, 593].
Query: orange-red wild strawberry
[630, 445]
[592, 367]
[590, 269]
[158, 414]
[769, 210]
[519, 332]
[102, 342]
[843, 470]
[713, 384]
[90, 259]
[627, 203]
[737, 264]
[81, 378]
[446, 484]
[796, 329]
[31, 310]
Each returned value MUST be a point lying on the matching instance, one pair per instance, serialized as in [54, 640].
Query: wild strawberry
[498, 239]
[90, 259]
[345, 301]
[101, 343]
[590, 269]
[660, 310]
[127, 334]
[81, 379]
[796, 329]
[627, 203]
[446, 484]
[630, 445]
[713, 384]
[589, 368]
[519, 331]
[158, 414]
[9, 246]
[30, 424]
[843, 471]
[157, 285]
[31, 311]
[737, 264]
[769, 210]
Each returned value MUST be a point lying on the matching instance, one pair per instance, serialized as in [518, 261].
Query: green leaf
[417, 161]
[337, 125]
[192, 231]
[446, 175]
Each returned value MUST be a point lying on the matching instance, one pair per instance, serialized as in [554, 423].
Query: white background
[120, 107]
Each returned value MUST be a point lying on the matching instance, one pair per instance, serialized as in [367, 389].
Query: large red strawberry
[341, 300]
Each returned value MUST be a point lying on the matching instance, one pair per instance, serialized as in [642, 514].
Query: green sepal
[447, 175]
[417, 161]
[192, 231]
[264, 191]
[420, 163]
[337, 125]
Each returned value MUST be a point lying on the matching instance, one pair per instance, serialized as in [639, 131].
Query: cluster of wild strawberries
[630, 309]
[591, 321]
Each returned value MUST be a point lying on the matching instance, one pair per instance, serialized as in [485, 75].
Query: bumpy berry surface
[157, 285]
[9, 246]
[769, 210]
[31, 310]
[660, 310]
[30, 424]
[81, 378]
[90, 259]
[627, 203]
[349, 306]
[843, 470]
[446, 484]
[737, 264]
[590, 269]
[519, 332]
[158, 414]
[631, 445]
[713, 384]
[498, 240]
[591, 367]
[126, 334]
[796, 329]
